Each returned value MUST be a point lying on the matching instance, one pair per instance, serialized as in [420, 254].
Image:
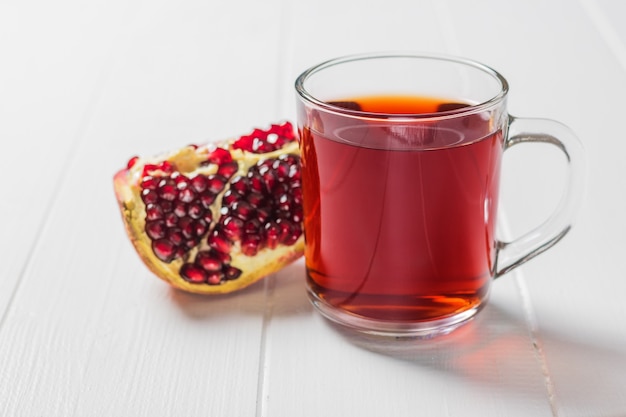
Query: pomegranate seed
[243, 210]
[167, 167]
[284, 203]
[171, 220]
[219, 156]
[149, 182]
[163, 181]
[167, 206]
[291, 159]
[262, 214]
[175, 236]
[282, 215]
[199, 183]
[196, 210]
[297, 216]
[261, 146]
[232, 227]
[186, 227]
[244, 143]
[164, 250]
[256, 182]
[227, 170]
[180, 180]
[239, 184]
[264, 163]
[269, 178]
[294, 236]
[193, 273]
[294, 173]
[274, 128]
[222, 256]
[167, 190]
[156, 229]
[230, 272]
[153, 212]
[250, 244]
[260, 141]
[281, 169]
[272, 235]
[215, 278]
[208, 262]
[149, 196]
[259, 133]
[216, 183]
[280, 188]
[200, 227]
[230, 197]
[219, 242]
[296, 193]
[256, 199]
[285, 130]
[186, 195]
[148, 169]
[252, 226]
[180, 209]
[131, 162]
[272, 138]
[286, 230]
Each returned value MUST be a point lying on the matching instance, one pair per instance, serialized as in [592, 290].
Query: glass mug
[401, 157]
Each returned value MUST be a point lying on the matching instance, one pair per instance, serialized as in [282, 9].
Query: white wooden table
[86, 330]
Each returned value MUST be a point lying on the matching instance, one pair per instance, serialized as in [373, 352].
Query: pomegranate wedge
[216, 218]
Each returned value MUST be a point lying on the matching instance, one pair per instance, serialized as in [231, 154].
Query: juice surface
[394, 104]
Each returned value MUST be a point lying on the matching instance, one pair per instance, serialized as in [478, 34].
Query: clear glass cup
[401, 158]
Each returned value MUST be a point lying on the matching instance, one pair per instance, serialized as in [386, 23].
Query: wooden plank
[53, 67]
[593, 339]
[566, 65]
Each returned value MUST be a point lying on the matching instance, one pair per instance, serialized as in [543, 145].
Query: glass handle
[512, 254]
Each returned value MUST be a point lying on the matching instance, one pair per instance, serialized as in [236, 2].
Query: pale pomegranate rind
[188, 161]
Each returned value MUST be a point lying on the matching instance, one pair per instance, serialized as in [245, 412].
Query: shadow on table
[582, 376]
[280, 294]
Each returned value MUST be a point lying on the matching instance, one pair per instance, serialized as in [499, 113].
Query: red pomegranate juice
[400, 220]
